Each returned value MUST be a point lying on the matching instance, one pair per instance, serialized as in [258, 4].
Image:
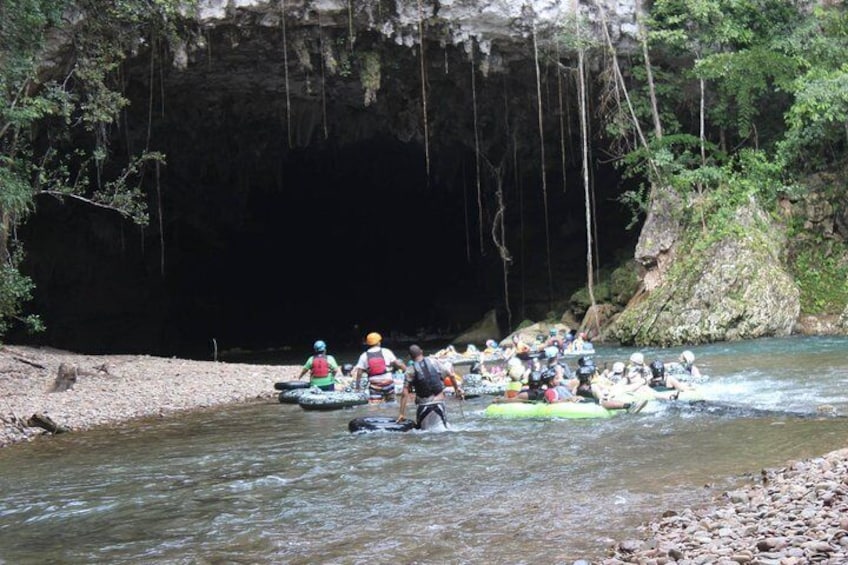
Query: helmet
[553, 331]
[585, 373]
[618, 368]
[373, 339]
[657, 368]
[585, 362]
[347, 369]
[551, 352]
[687, 357]
[491, 343]
[319, 346]
[637, 358]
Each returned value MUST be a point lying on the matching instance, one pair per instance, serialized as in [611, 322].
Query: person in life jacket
[425, 379]
[322, 368]
[378, 363]
[660, 379]
[687, 361]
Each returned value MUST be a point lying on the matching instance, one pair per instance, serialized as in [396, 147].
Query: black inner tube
[375, 423]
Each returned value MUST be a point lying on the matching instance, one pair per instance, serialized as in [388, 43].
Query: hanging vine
[286, 72]
[424, 90]
[584, 136]
[323, 77]
[350, 24]
[499, 236]
[477, 151]
[561, 119]
[542, 168]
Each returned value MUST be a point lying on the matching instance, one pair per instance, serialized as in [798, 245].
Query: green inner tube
[542, 410]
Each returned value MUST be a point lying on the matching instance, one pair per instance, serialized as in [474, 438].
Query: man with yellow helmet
[377, 362]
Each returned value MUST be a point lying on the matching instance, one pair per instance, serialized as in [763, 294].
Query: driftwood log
[46, 423]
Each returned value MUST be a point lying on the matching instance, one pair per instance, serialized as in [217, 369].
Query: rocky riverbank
[112, 389]
[793, 515]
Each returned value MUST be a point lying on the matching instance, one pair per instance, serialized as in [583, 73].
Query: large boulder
[487, 328]
[725, 288]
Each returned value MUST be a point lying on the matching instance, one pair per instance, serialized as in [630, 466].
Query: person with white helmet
[322, 368]
[687, 361]
[377, 362]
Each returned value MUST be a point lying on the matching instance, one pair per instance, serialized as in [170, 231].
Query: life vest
[320, 367]
[427, 380]
[376, 363]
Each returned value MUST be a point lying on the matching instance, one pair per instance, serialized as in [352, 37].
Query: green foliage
[822, 277]
[15, 291]
[54, 134]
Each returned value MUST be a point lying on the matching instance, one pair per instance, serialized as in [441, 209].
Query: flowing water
[271, 483]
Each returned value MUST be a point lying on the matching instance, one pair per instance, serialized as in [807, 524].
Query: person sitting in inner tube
[585, 376]
[687, 361]
[522, 350]
[424, 379]
[553, 365]
[599, 388]
[636, 378]
[660, 379]
[322, 368]
[518, 374]
[492, 347]
[554, 339]
[614, 374]
[556, 391]
[377, 362]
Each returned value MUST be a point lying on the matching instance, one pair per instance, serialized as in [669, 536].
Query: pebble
[799, 515]
[131, 387]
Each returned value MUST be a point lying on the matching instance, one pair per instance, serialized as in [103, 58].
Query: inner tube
[292, 396]
[291, 385]
[377, 423]
[331, 400]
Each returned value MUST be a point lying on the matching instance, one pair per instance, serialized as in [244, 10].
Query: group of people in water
[622, 386]
[534, 375]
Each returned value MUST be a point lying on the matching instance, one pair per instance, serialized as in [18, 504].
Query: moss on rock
[723, 288]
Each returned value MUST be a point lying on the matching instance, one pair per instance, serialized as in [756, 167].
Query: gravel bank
[111, 389]
[792, 515]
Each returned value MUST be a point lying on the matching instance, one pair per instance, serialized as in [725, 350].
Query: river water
[271, 483]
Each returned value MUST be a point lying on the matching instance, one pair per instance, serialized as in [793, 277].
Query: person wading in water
[425, 378]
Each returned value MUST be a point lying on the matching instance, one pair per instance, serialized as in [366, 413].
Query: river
[271, 483]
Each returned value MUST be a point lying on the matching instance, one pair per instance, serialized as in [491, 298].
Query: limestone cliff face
[734, 288]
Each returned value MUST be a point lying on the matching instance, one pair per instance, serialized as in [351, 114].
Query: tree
[55, 130]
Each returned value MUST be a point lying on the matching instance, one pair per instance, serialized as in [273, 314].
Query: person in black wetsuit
[425, 379]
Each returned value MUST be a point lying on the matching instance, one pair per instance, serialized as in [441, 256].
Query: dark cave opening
[271, 237]
[330, 242]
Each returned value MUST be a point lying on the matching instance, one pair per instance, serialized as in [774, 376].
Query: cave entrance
[264, 232]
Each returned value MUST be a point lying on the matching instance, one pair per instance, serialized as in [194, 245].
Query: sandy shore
[111, 389]
[792, 515]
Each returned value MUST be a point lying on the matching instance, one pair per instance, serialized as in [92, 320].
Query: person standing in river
[377, 362]
[425, 379]
[322, 368]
